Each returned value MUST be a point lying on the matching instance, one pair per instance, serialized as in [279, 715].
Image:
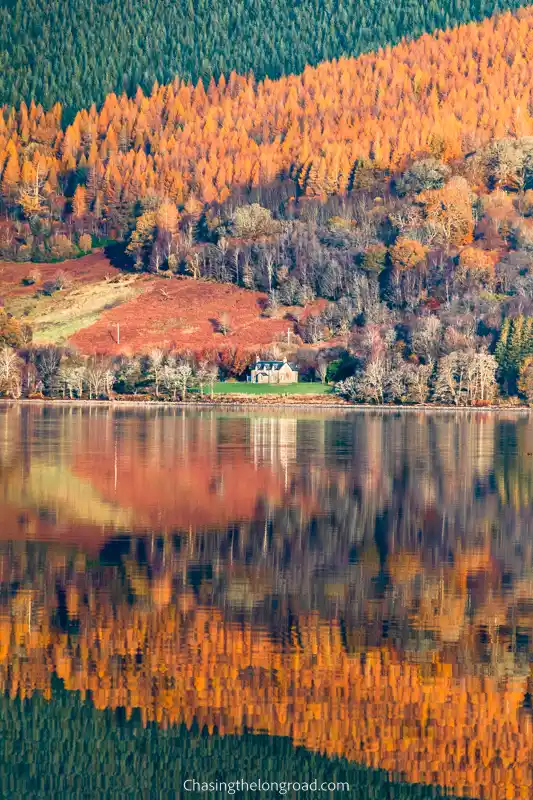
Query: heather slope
[183, 316]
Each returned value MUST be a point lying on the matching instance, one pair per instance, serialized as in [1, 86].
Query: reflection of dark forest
[307, 576]
[66, 748]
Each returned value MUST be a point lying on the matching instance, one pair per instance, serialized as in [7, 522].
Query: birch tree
[10, 377]
[156, 358]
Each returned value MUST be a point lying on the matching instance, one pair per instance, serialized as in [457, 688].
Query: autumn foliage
[407, 253]
[476, 263]
[443, 95]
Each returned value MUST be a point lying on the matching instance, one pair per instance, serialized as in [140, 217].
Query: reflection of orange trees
[440, 604]
[178, 666]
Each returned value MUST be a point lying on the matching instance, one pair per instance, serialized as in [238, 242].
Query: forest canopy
[77, 52]
[396, 186]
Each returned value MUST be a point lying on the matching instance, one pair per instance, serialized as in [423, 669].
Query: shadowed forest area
[65, 746]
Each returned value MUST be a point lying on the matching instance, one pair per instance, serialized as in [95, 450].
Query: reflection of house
[274, 440]
[274, 372]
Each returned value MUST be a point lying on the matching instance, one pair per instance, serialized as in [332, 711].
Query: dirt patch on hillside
[183, 314]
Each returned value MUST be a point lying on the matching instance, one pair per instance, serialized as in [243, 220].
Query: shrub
[62, 281]
[85, 242]
[253, 221]
[57, 284]
[33, 277]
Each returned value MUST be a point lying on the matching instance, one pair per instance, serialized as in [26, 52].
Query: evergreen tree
[515, 344]
[65, 748]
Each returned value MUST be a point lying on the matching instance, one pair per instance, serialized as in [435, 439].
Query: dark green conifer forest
[78, 51]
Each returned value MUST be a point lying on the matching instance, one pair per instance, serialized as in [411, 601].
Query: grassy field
[54, 318]
[265, 388]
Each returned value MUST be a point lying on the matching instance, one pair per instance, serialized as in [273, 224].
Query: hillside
[52, 51]
[379, 209]
[182, 315]
[444, 95]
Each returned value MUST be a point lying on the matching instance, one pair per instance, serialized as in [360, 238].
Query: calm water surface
[267, 596]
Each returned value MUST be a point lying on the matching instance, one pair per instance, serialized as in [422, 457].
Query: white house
[273, 372]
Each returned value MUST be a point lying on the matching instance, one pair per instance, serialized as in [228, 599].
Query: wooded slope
[77, 52]
[445, 94]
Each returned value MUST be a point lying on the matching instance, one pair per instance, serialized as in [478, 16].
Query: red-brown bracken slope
[81, 271]
[182, 315]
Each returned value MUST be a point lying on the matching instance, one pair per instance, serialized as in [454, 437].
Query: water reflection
[359, 583]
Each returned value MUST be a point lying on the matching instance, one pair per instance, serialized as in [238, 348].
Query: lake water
[275, 597]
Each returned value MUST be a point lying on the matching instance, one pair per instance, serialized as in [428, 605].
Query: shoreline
[244, 402]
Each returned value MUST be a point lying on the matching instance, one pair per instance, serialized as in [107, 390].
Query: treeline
[63, 373]
[195, 41]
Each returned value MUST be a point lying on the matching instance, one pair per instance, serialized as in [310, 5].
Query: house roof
[274, 365]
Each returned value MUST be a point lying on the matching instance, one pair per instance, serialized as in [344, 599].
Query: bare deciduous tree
[418, 377]
[322, 365]
[99, 378]
[72, 374]
[184, 375]
[368, 385]
[466, 377]
[426, 337]
[170, 378]
[10, 377]
[156, 358]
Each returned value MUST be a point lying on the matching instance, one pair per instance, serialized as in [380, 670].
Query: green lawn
[227, 387]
